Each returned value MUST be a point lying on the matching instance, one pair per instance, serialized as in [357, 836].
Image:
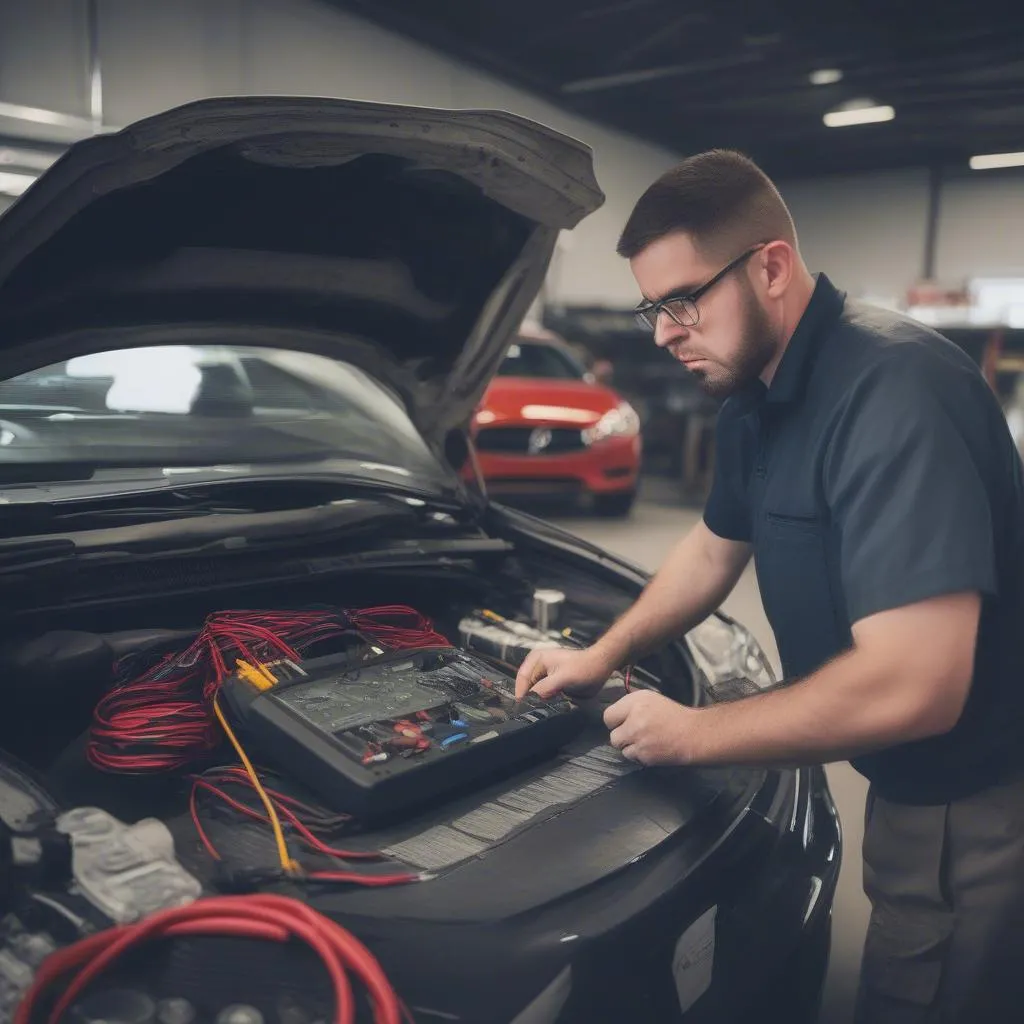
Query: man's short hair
[720, 198]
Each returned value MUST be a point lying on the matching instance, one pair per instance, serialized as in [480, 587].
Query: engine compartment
[69, 670]
[59, 659]
[207, 813]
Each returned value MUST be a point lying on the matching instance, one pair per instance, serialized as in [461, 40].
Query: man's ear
[778, 266]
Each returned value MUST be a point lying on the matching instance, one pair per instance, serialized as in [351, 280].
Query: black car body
[377, 260]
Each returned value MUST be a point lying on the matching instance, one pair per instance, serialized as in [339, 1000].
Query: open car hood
[406, 240]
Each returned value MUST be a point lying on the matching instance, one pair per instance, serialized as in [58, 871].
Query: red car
[546, 428]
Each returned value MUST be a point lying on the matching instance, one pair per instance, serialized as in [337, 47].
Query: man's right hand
[579, 673]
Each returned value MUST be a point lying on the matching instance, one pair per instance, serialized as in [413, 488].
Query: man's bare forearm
[852, 706]
[697, 576]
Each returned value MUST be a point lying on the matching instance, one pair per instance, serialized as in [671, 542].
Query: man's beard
[758, 345]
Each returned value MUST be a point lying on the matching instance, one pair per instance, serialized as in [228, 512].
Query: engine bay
[308, 743]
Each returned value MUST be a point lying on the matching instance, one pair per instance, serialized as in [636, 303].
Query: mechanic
[867, 466]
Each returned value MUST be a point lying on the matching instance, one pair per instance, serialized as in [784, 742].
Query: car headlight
[731, 660]
[621, 421]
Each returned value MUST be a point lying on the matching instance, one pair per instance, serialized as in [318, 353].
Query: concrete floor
[645, 539]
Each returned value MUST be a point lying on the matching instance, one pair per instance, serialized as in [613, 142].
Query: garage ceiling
[693, 75]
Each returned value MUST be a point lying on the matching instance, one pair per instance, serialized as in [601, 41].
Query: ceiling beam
[603, 83]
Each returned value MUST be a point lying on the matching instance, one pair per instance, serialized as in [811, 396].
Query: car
[677, 417]
[547, 428]
[242, 343]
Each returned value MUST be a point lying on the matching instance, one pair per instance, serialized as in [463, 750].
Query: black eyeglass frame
[647, 313]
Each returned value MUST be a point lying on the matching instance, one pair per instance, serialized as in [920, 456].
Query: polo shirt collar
[822, 311]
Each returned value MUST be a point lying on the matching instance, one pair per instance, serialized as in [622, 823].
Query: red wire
[163, 721]
[275, 918]
[397, 626]
[627, 679]
[238, 915]
[369, 881]
[342, 877]
[345, 877]
[284, 812]
[200, 831]
[235, 773]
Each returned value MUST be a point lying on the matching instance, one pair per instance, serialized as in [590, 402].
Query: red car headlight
[621, 421]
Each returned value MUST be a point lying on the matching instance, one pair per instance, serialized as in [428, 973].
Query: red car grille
[517, 440]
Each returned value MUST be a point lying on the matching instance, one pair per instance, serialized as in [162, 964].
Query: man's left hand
[651, 729]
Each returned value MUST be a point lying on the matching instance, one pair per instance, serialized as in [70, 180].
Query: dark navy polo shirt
[877, 471]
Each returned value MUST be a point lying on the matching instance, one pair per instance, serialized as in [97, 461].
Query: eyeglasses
[683, 308]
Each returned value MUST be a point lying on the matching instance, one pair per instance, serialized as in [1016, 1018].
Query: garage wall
[44, 55]
[866, 232]
[155, 54]
[981, 232]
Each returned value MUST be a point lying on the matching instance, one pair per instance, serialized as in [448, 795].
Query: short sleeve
[905, 483]
[727, 511]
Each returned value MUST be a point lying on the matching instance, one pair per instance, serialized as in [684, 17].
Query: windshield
[535, 359]
[230, 408]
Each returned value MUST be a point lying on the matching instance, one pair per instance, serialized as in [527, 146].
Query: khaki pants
[945, 944]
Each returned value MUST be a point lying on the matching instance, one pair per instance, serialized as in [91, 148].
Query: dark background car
[603, 892]
[677, 417]
[547, 428]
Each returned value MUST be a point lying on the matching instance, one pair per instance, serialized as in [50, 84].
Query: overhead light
[13, 184]
[992, 161]
[826, 76]
[858, 113]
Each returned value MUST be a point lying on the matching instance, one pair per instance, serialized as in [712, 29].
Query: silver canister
[547, 607]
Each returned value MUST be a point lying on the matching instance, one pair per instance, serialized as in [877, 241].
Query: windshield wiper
[95, 538]
[63, 553]
[207, 491]
[326, 487]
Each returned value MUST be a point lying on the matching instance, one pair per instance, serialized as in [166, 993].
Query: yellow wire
[289, 865]
[258, 676]
[266, 673]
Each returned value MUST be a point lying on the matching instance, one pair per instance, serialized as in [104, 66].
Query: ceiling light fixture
[13, 184]
[859, 112]
[992, 161]
[826, 76]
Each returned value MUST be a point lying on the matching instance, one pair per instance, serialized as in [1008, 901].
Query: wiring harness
[164, 719]
[396, 627]
[232, 787]
[271, 918]
[169, 717]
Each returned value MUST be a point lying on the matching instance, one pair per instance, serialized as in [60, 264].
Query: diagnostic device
[394, 732]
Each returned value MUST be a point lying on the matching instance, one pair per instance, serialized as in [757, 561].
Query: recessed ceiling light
[826, 76]
[992, 161]
[847, 116]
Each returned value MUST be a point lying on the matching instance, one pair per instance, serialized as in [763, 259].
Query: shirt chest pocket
[800, 593]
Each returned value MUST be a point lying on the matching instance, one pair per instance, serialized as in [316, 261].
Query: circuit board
[335, 705]
[393, 732]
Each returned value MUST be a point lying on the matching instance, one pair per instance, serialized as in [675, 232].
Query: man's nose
[667, 331]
